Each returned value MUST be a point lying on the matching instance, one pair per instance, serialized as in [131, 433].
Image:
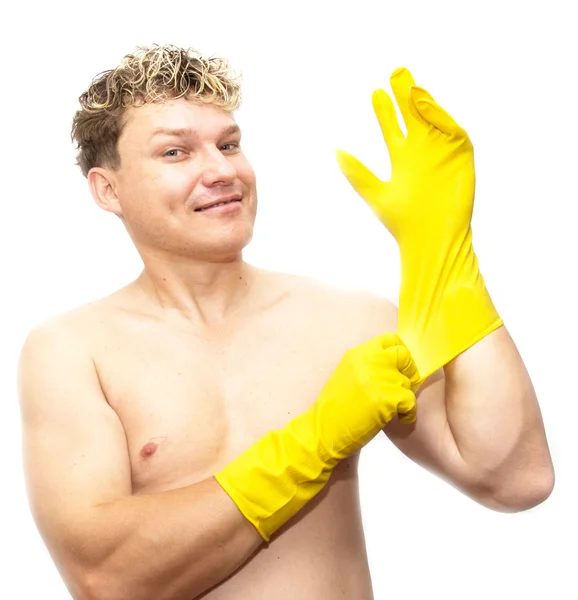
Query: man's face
[176, 157]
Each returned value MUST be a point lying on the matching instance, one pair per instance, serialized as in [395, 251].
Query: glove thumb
[365, 183]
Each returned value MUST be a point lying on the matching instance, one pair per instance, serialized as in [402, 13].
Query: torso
[190, 401]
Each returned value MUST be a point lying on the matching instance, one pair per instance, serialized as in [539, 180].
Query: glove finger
[363, 181]
[436, 116]
[409, 417]
[407, 407]
[406, 364]
[415, 94]
[387, 119]
[389, 339]
[401, 81]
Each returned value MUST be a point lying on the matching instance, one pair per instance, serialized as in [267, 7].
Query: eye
[230, 146]
[172, 153]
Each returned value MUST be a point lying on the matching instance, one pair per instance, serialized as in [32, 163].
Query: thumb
[388, 339]
[363, 181]
[359, 176]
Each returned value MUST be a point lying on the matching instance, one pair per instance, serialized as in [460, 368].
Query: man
[172, 428]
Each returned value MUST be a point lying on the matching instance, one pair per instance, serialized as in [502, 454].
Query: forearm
[495, 420]
[172, 545]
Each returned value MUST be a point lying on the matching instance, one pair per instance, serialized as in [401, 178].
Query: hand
[427, 205]
[275, 477]
[431, 191]
[373, 383]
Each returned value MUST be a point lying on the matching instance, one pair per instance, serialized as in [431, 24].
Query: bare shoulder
[86, 315]
[59, 346]
[359, 313]
[67, 323]
[64, 325]
[51, 347]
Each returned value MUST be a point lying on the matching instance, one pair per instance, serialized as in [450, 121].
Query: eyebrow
[187, 131]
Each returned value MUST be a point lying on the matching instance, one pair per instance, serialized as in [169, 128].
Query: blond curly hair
[150, 74]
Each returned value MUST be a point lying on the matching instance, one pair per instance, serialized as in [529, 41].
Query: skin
[165, 381]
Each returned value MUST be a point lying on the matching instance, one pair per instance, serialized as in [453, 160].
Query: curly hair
[150, 74]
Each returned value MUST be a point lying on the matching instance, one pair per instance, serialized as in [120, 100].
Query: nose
[217, 168]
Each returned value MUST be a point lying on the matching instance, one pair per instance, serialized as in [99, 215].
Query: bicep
[74, 448]
[429, 441]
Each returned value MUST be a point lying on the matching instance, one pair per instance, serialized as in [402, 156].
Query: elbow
[521, 492]
[83, 582]
[102, 589]
[104, 585]
[101, 585]
[97, 586]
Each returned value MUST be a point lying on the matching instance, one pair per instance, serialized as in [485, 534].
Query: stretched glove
[272, 480]
[427, 205]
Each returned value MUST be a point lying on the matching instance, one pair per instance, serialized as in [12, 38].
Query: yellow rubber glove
[427, 205]
[272, 480]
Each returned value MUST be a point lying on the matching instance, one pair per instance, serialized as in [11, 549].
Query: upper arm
[74, 448]
[429, 441]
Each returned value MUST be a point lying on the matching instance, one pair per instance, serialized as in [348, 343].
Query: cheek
[159, 184]
[245, 173]
[152, 194]
[172, 184]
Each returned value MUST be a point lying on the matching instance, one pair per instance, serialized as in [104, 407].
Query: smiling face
[175, 157]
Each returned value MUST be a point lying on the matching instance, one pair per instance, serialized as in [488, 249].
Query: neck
[201, 293]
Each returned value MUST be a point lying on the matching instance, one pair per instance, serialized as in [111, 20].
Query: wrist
[275, 477]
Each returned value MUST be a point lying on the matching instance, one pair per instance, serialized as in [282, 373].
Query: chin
[230, 247]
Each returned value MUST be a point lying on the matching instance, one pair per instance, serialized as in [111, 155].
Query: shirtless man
[197, 433]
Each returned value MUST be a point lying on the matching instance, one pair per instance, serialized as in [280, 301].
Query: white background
[505, 70]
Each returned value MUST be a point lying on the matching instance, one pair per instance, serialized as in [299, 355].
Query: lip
[232, 208]
[218, 200]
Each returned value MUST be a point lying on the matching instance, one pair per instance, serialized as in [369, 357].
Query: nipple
[148, 449]
[151, 447]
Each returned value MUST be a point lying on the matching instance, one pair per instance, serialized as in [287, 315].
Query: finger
[406, 365]
[436, 116]
[401, 81]
[415, 94]
[415, 384]
[363, 181]
[409, 417]
[387, 119]
[407, 407]
[386, 340]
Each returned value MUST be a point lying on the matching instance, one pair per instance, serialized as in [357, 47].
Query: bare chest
[190, 403]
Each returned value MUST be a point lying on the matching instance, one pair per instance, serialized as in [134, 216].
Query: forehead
[204, 119]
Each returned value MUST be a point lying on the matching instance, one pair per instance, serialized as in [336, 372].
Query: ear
[103, 189]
